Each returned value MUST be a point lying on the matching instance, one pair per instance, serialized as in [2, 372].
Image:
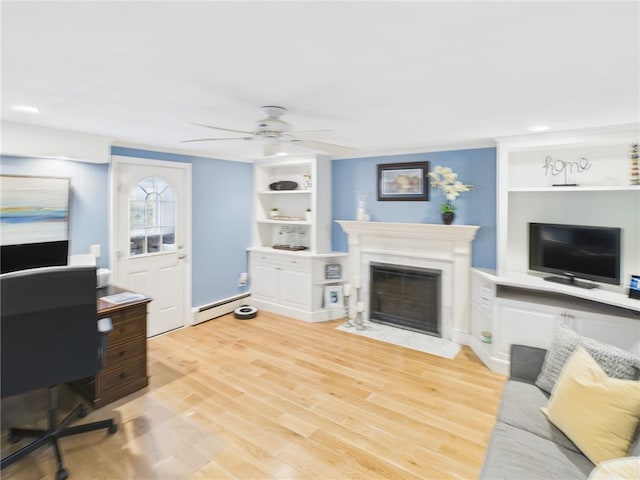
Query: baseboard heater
[219, 308]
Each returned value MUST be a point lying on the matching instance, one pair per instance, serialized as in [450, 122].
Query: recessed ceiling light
[539, 128]
[26, 109]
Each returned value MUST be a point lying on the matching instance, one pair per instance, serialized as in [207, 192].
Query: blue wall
[354, 177]
[89, 222]
[222, 193]
[221, 216]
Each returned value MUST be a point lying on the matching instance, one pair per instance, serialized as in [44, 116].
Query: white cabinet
[532, 323]
[280, 279]
[579, 177]
[623, 332]
[293, 285]
[291, 249]
[522, 323]
[519, 313]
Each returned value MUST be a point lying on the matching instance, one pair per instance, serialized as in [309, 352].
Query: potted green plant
[447, 181]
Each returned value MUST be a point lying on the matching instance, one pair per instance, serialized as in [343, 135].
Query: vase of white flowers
[447, 181]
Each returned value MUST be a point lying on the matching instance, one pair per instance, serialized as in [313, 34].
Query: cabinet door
[265, 282]
[294, 288]
[523, 323]
[619, 331]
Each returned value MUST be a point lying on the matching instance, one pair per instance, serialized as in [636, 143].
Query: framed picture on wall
[333, 271]
[333, 296]
[403, 181]
[34, 214]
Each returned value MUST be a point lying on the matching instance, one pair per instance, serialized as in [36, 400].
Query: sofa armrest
[526, 363]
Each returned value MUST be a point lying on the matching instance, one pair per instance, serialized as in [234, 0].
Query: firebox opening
[405, 297]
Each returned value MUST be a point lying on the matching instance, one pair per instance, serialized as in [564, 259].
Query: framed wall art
[333, 271]
[34, 214]
[333, 297]
[403, 181]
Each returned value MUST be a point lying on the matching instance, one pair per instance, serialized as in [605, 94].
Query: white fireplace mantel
[448, 246]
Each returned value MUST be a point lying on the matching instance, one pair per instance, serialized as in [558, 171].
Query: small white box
[104, 277]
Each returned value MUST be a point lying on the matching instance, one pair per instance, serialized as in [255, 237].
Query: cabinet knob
[123, 375]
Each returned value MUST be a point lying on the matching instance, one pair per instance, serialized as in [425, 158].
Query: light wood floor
[273, 398]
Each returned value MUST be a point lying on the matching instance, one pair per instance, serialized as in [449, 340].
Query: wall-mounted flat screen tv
[575, 251]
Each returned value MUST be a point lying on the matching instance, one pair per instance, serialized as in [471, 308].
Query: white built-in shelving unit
[292, 282]
[516, 305]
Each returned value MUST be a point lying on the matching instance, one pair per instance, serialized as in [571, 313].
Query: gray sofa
[524, 444]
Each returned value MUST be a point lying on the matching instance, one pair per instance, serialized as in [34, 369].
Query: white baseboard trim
[322, 315]
[495, 364]
[219, 308]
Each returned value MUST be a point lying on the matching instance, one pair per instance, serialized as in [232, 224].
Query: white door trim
[116, 161]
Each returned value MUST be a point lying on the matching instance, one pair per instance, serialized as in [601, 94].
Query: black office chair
[50, 335]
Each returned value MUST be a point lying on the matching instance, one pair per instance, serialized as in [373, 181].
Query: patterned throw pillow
[616, 363]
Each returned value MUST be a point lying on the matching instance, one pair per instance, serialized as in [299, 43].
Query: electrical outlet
[242, 279]
[95, 250]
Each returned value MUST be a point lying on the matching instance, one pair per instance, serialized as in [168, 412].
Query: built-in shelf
[285, 222]
[614, 188]
[292, 282]
[519, 307]
[330, 282]
[284, 192]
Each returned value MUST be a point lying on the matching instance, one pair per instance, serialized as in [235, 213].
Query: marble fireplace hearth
[444, 248]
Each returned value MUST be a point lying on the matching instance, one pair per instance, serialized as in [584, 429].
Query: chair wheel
[84, 411]
[113, 428]
[62, 474]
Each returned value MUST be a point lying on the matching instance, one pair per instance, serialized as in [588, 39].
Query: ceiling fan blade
[211, 139]
[223, 129]
[324, 130]
[326, 147]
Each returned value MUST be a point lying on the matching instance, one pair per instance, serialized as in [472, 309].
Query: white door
[151, 237]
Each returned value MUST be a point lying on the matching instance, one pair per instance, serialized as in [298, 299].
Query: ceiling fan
[273, 131]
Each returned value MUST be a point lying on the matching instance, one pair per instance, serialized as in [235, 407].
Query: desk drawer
[122, 352]
[128, 372]
[126, 327]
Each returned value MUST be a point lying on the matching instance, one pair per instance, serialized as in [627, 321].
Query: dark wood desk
[125, 365]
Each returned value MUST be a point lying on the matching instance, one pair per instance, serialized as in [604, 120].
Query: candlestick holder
[358, 322]
[347, 320]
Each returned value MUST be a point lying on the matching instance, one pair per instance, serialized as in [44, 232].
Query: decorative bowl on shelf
[283, 185]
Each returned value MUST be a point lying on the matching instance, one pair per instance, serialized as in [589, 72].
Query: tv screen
[575, 251]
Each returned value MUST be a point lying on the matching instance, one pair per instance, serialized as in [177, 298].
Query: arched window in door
[152, 217]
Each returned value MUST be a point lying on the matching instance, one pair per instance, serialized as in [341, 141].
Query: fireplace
[441, 248]
[405, 297]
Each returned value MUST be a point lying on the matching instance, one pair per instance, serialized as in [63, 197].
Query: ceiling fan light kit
[273, 132]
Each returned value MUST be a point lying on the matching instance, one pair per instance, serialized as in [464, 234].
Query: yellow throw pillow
[599, 414]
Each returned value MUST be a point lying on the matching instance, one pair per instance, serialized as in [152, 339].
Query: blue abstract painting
[33, 209]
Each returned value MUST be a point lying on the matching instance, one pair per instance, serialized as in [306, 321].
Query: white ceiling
[385, 77]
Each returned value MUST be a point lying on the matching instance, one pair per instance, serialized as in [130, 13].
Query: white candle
[346, 290]
[360, 306]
